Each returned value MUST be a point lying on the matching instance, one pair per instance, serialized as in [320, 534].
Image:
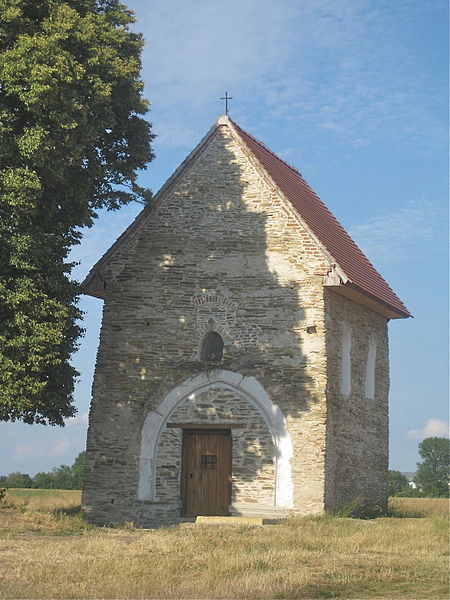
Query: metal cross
[226, 98]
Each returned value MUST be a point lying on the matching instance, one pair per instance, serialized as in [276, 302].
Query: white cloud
[79, 420]
[22, 452]
[432, 428]
[435, 427]
[60, 447]
[192, 53]
[406, 233]
[316, 65]
[43, 449]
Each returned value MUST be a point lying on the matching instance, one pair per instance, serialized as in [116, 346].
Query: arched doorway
[247, 390]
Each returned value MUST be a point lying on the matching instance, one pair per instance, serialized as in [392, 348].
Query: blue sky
[354, 95]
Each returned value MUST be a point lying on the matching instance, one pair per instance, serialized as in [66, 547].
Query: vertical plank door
[206, 473]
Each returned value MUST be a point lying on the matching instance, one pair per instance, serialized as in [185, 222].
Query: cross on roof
[226, 98]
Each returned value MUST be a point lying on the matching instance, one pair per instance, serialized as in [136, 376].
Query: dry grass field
[47, 551]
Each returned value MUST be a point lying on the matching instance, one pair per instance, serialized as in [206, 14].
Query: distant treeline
[59, 478]
[400, 485]
[432, 479]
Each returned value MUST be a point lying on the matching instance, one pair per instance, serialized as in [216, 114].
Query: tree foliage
[71, 140]
[433, 472]
[78, 471]
[59, 478]
[398, 484]
[17, 480]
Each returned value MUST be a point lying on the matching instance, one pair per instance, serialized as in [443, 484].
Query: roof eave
[93, 284]
[361, 296]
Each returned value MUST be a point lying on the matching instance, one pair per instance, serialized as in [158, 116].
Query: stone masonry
[222, 250]
[357, 427]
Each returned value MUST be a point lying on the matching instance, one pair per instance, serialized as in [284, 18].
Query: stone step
[258, 510]
[229, 521]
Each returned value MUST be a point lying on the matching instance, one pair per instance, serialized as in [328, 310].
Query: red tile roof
[362, 274]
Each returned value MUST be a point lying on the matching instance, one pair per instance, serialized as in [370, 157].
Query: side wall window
[346, 360]
[211, 349]
[369, 380]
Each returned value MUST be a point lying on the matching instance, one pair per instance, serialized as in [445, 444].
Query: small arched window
[211, 349]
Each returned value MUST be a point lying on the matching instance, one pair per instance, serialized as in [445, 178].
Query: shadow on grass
[70, 511]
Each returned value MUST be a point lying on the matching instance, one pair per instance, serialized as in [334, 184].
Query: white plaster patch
[369, 379]
[346, 360]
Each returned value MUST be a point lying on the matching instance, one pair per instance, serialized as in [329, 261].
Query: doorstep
[255, 521]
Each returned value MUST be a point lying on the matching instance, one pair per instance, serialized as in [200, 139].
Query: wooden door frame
[201, 430]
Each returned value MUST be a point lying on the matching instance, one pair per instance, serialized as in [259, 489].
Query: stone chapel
[243, 360]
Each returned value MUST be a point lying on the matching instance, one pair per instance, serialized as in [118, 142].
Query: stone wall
[222, 230]
[357, 426]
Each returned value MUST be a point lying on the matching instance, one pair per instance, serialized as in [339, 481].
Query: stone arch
[251, 391]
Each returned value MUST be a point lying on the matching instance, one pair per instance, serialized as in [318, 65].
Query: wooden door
[206, 472]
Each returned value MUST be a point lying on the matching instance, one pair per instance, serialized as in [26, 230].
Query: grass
[41, 512]
[44, 498]
[47, 551]
[419, 507]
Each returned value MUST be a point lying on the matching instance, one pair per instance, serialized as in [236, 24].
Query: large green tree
[433, 472]
[398, 484]
[72, 138]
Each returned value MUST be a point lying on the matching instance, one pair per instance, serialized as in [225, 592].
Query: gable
[350, 272]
